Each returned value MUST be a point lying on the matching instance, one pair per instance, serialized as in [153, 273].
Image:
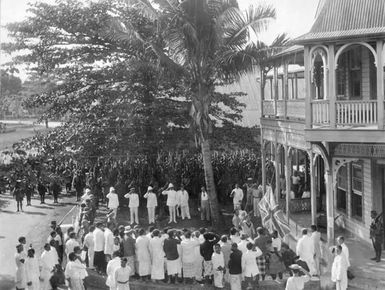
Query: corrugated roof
[345, 18]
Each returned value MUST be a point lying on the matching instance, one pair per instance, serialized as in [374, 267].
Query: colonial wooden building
[323, 116]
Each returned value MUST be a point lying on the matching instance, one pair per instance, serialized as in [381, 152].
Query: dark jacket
[207, 247]
[235, 262]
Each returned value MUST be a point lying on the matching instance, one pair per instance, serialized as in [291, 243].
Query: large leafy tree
[113, 97]
[205, 42]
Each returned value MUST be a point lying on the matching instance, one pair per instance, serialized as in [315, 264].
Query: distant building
[323, 116]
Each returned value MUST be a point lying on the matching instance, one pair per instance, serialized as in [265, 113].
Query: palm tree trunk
[210, 184]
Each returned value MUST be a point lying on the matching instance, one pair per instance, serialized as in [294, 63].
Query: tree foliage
[113, 96]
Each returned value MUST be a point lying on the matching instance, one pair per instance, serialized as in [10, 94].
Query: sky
[295, 17]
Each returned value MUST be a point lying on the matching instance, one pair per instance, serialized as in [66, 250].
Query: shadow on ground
[3, 203]
[7, 282]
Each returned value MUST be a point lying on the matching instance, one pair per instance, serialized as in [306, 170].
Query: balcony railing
[360, 112]
[295, 109]
[269, 108]
[320, 112]
[347, 112]
[280, 109]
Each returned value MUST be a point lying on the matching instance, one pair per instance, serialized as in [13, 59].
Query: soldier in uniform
[18, 194]
[377, 234]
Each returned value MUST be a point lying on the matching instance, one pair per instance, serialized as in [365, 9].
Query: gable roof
[347, 18]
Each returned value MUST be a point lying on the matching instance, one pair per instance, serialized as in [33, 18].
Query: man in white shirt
[242, 245]
[99, 258]
[113, 201]
[108, 241]
[71, 244]
[183, 202]
[316, 237]
[345, 250]
[133, 205]
[171, 201]
[218, 266]
[205, 206]
[88, 244]
[122, 276]
[237, 195]
[110, 271]
[339, 269]
[305, 251]
[48, 262]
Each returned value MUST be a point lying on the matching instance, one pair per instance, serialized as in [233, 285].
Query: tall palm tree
[204, 42]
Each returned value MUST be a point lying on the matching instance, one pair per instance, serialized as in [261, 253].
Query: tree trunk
[210, 184]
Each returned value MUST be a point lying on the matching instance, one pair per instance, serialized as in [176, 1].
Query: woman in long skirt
[21, 274]
[157, 256]
[74, 273]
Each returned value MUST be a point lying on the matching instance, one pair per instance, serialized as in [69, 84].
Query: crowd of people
[243, 257]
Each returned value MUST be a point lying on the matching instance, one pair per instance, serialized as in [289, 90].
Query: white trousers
[151, 214]
[172, 213]
[91, 258]
[185, 212]
[134, 215]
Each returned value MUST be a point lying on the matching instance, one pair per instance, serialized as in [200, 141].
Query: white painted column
[329, 204]
[313, 192]
[308, 97]
[277, 172]
[380, 84]
[263, 162]
[288, 178]
[332, 86]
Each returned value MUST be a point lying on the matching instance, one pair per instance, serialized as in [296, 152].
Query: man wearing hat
[133, 205]
[113, 201]
[297, 282]
[376, 234]
[152, 202]
[171, 201]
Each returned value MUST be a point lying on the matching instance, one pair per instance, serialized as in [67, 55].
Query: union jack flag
[271, 215]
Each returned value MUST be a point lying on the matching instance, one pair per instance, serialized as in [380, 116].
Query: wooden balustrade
[280, 108]
[360, 112]
[348, 112]
[296, 205]
[296, 109]
[320, 112]
[268, 108]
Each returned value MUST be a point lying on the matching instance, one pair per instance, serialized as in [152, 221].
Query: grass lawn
[21, 132]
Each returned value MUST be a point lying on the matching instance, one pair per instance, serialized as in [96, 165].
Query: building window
[342, 187]
[357, 190]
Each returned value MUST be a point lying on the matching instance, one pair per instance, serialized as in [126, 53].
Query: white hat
[294, 267]
[112, 189]
[149, 188]
[170, 185]
[127, 229]
[89, 190]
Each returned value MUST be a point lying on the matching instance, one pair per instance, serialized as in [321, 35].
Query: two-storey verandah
[330, 108]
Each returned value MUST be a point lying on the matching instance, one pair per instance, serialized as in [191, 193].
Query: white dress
[121, 277]
[218, 260]
[75, 273]
[157, 257]
[21, 274]
[111, 267]
[143, 255]
[33, 273]
[249, 263]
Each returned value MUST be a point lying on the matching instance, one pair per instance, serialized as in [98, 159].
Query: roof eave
[306, 41]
